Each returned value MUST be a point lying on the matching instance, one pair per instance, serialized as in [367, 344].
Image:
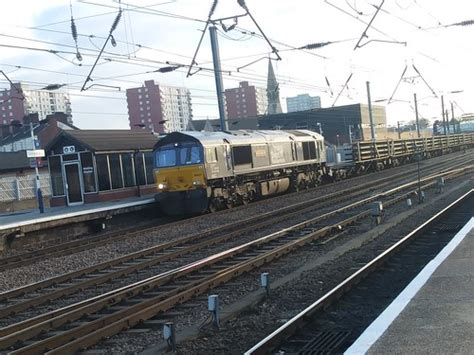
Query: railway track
[83, 324]
[21, 299]
[88, 243]
[335, 320]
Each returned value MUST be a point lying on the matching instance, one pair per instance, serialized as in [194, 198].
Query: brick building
[245, 101]
[159, 108]
[14, 105]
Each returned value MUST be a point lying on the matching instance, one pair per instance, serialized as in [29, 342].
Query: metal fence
[23, 187]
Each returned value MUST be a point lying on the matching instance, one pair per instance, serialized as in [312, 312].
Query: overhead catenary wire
[140, 62]
[364, 34]
[109, 37]
[127, 41]
[107, 59]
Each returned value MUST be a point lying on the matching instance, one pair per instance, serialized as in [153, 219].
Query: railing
[23, 187]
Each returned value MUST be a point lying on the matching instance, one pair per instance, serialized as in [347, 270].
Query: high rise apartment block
[159, 108]
[303, 102]
[14, 105]
[246, 101]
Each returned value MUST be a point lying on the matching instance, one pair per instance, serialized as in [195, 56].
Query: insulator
[213, 8]
[116, 21]
[73, 29]
[243, 5]
[466, 23]
[316, 45]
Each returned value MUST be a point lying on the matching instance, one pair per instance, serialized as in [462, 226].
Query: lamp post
[418, 158]
[371, 117]
[320, 127]
[445, 112]
[416, 116]
[39, 194]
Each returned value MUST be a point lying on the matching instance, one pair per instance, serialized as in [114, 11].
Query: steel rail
[82, 244]
[274, 339]
[148, 257]
[260, 220]
[104, 329]
[114, 298]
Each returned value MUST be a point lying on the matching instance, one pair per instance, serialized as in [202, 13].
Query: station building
[100, 165]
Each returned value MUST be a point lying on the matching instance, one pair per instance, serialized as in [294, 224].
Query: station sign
[37, 153]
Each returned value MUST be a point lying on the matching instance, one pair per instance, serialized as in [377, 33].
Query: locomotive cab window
[165, 157]
[178, 154]
[190, 155]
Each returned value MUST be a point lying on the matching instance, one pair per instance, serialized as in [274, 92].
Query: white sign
[38, 153]
[69, 149]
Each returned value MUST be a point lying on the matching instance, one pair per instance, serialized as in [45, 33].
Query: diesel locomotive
[199, 171]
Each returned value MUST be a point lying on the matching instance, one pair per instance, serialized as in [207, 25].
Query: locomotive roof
[239, 136]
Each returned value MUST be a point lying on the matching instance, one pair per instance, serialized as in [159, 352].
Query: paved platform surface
[435, 313]
[21, 218]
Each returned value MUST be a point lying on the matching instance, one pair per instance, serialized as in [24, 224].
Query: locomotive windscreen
[178, 154]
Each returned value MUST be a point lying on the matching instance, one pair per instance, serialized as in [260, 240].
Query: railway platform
[29, 221]
[434, 314]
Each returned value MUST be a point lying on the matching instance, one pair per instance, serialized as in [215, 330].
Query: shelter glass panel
[57, 183]
[115, 171]
[149, 167]
[140, 168]
[103, 172]
[88, 175]
[128, 172]
[70, 157]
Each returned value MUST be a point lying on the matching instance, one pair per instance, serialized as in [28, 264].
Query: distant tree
[424, 123]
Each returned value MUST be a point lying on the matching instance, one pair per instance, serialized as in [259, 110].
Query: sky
[404, 34]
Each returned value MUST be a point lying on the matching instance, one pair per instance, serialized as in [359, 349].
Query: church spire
[273, 91]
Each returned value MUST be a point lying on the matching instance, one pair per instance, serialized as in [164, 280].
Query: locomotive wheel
[213, 207]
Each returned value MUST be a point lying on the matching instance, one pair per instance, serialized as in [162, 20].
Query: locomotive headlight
[196, 182]
[161, 186]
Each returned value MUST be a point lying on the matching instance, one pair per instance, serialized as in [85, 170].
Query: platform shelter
[100, 165]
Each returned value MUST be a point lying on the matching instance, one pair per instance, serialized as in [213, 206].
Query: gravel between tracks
[55, 266]
[169, 265]
[242, 332]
